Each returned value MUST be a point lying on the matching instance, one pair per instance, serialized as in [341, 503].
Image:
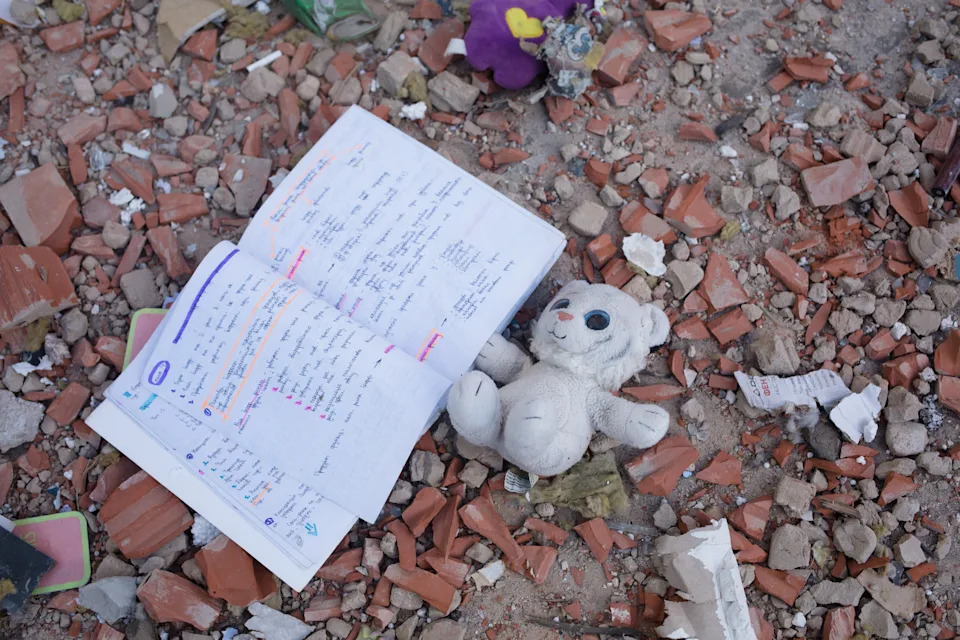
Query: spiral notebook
[286, 386]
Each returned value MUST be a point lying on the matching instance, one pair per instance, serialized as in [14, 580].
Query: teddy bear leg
[532, 441]
[474, 408]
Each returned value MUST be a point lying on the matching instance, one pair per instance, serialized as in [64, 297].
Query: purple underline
[193, 305]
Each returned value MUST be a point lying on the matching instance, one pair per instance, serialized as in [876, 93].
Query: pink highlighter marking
[296, 264]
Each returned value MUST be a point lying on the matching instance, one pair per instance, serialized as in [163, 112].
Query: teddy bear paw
[474, 408]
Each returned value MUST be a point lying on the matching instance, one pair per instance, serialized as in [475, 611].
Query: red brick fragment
[696, 132]
[181, 207]
[168, 597]
[723, 469]
[202, 44]
[787, 271]
[481, 516]
[552, 532]
[42, 208]
[814, 68]
[82, 128]
[654, 393]
[687, 210]
[33, 285]
[421, 512]
[535, 563]
[68, 404]
[63, 38]
[720, 287]
[673, 29]
[433, 50]
[11, 76]
[912, 203]
[657, 470]
[780, 584]
[836, 182]
[232, 575]
[141, 516]
[621, 49]
[752, 517]
[164, 244]
[597, 535]
[431, 587]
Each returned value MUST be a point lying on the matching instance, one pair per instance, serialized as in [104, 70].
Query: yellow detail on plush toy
[522, 26]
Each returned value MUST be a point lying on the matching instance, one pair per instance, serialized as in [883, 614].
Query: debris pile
[764, 172]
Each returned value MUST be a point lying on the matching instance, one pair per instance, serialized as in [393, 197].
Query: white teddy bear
[590, 340]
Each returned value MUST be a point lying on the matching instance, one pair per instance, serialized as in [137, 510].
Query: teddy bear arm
[634, 424]
[502, 360]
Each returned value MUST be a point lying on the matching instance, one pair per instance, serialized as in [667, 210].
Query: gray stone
[902, 601]
[935, 464]
[906, 438]
[391, 28]
[393, 72]
[162, 100]
[903, 466]
[845, 322]
[426, 466]
[923, 322]
[233, 50]
[767, 172]
[888, 312]
[664, 517]
[115, 235]
[84, 89]
[683, 73]
[683, 277]
[19, 420]
[111, 566]
[774, 355]
[346, 91]
[479, 553]
[824, 439]
[735, 199]
[339, 628]
[905, 509]
[902, 406]
[786, 202]
[920, 92]
[877, 621]
[405, 600]
[863, 303]
[407, 628]
[909, 552]
[176, 126]
[692, 411]
[846, 593]
[824, 116]
[276, 625]
[309, 88]
[73, 325]
[443, 630]
[935, 28]
[140, 289]
[563, 186]
[610, 197]
[862, 144]
[207, 177]
[12, 380]
[856, 540]
[588, 218]
[110, 598]
[789, 548]
[930, 52]
[474, 474]
[629, 174]
[794, 495]
[261, 84]
[450, 93]
[402, 493]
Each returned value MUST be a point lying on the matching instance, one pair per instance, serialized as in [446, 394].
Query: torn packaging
[701, 566]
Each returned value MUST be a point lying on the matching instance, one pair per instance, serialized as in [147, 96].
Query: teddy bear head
[598, 332]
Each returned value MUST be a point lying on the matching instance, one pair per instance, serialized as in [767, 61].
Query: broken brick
[63, 38]
[435, 590]
[787, 271]
[912, 203]
[621, 49]
[751, 518]
[672, 29]
[658, 469]
[11, 76]
[433, 50]
[168, 597]
[723, 469]
[597, 535]
[654, 393]
[82, 128]
[141, 516]
[164, 244]
[814, 68]
[687, 210]
[424, 508]
[696, 132]
[780, 584]
[902, 371]
[232, 575]
[720, 287]
[67, 405]
[33, 285]
[481, 516]
[836, 182]
[181, 207]
[42, 208]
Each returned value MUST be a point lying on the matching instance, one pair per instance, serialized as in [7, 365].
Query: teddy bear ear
[574, 286]
[656, 325]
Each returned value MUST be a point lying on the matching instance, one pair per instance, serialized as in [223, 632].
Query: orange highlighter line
[262, 493]
[206, 403]
[263, 343]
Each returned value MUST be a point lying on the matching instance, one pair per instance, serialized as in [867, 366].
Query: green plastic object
[335, 19]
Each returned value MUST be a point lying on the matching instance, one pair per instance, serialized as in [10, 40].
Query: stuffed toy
[590, 340]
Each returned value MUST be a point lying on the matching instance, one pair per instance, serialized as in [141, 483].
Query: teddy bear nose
[563, 316]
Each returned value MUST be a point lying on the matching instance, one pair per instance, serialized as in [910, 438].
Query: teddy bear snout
[563, 316]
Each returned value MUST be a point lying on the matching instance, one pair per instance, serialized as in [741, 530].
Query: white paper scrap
[25, 368]
[856, 414]
[773, 392]
[701, 566]
[645, 252]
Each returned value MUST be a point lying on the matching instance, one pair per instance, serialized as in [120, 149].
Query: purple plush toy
[498, 26]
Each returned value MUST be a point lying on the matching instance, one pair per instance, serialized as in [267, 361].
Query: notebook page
[284, 524]
[256, 358]
[403, 241]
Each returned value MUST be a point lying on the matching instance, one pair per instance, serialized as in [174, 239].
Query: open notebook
[284, 390]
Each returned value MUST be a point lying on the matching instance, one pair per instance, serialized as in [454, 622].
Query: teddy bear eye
[597, 320]
[562, 303]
